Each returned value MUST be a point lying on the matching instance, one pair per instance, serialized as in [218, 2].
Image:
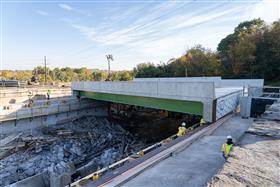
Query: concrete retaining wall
[27, 122]
[46, 108]
[8, 95]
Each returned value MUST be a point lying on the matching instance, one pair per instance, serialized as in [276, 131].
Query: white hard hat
[183, 124]
[229, 137]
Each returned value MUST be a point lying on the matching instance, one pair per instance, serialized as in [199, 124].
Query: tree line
[66, 74]
[251, 51]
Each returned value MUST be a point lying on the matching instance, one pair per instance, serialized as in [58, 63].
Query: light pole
[109, 58]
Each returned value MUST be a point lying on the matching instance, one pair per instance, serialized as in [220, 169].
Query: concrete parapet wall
[23, 94]
[47, 109]
[195, 91]
[179, 79]
[239, 83]
[219, 82]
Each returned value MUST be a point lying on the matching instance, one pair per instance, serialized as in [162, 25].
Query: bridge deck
[197, 164]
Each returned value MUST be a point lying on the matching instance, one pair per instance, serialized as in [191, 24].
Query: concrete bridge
[210, 97]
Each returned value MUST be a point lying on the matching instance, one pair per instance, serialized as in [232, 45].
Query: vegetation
[65, 74]
[252, 51]
[197, 61]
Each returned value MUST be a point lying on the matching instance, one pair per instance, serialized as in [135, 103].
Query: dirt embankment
[255, 160]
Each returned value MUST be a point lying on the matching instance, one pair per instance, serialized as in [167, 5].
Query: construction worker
[182, 129]
[202, 122]
[226, 147]
[95, 177]
[48, 94]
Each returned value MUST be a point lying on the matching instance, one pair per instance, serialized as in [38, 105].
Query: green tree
[125, 76]
[268, 54]
[238, 50]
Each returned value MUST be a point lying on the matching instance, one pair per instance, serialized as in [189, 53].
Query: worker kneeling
[182, 129]
[226, 147]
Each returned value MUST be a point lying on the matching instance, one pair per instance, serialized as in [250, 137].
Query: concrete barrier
[240, 83]
[179, 79]
[50, 116]
[8, 95]
[219, 82]
[193, 91]
[39, 180]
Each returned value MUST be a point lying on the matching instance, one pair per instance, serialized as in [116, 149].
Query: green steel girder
[184, 106]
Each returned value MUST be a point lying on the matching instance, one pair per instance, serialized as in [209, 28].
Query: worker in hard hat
[226, 147]
[202, 122]
[48, 94]
[182, 129]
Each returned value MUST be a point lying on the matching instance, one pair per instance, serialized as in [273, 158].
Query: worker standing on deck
[48, 94]
[182, 129]
[226, 147]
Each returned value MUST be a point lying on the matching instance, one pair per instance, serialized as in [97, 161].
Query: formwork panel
[227, 103]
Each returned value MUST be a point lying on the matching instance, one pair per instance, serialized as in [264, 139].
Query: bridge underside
[183, 106]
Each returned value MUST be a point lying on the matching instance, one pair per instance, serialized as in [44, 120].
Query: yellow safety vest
[226, 148]
[95, 177]
[181, 131]
[202, 121]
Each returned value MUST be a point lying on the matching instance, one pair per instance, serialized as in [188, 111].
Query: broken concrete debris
[85, 143]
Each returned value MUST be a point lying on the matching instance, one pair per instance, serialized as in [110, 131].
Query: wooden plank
[9, 139]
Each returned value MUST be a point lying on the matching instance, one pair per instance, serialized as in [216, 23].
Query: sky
[80, 33]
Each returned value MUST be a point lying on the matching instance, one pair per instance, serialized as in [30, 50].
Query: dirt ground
[255, 160]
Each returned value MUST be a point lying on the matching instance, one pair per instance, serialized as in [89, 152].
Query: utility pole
[45, 61]
[109, 58]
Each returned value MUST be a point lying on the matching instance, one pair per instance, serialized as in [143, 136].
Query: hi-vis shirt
[226, 148]
[181, 131]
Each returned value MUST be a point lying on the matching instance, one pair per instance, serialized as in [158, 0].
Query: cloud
[88, 31]
[65, 7]
[163, 31]
[70, 8]
[42, 13]
[267, 10]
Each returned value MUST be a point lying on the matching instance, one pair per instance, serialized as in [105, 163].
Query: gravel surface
[255, 161]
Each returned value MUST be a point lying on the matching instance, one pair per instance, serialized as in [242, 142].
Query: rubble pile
[87, 142]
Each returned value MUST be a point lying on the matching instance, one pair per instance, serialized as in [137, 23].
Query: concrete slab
[197, 164]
